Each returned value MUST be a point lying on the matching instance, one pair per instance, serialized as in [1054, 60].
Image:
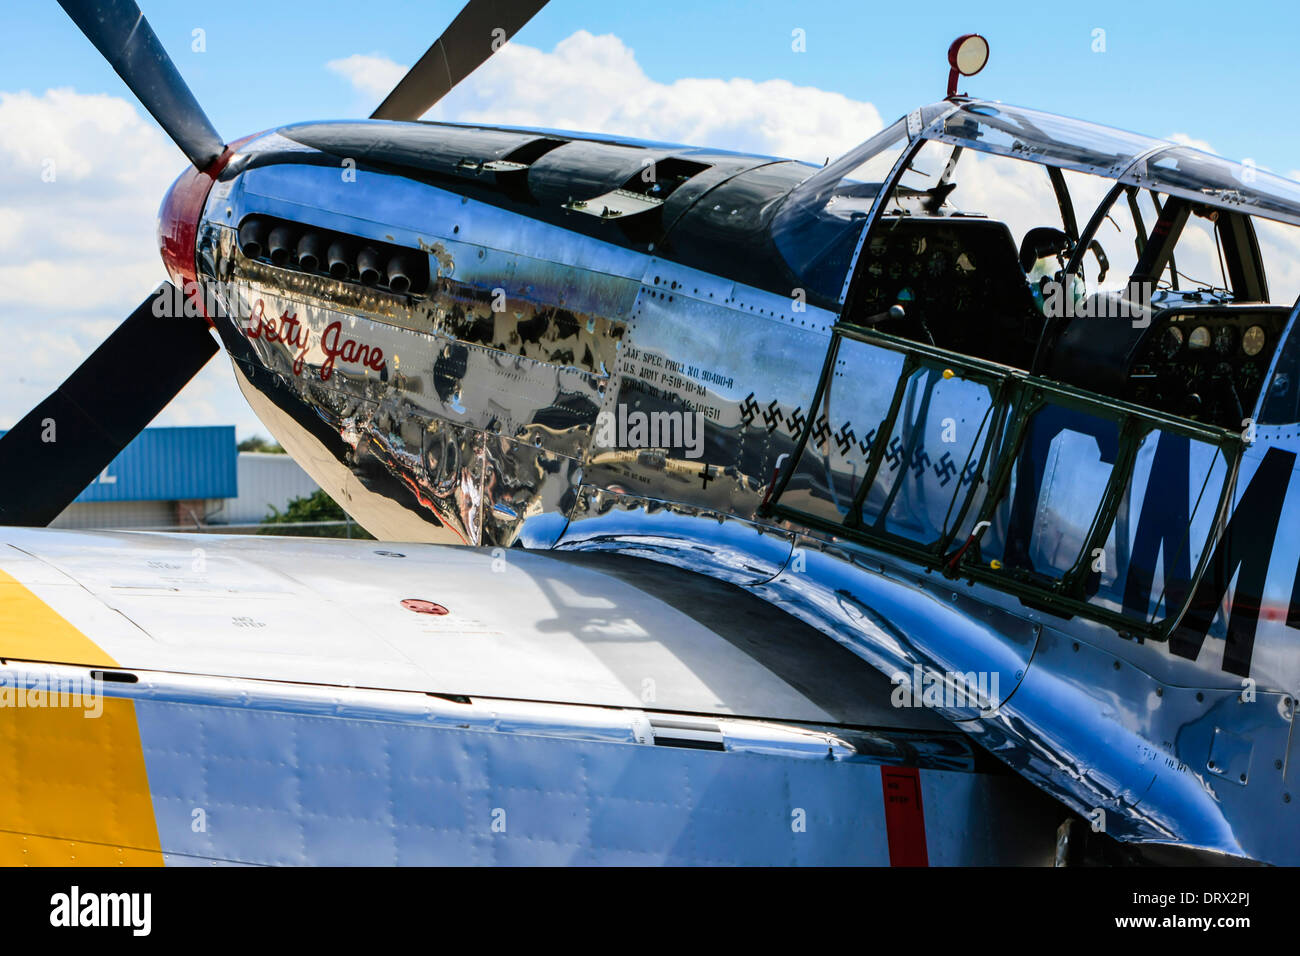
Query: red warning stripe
[904, 816]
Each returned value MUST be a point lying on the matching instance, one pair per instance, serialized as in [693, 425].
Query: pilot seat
[959, 281]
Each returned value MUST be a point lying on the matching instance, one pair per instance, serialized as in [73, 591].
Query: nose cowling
[178, 223]
[179, 215]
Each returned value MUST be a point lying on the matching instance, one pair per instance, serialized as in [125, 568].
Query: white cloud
[96, 141]
[594, 84]
[1183, 139]
[373, 75]
[1279, 244]
[81, 177]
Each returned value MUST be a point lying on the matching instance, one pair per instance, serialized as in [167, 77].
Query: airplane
[962, 481]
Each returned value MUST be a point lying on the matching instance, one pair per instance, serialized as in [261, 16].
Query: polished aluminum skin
[481, 412]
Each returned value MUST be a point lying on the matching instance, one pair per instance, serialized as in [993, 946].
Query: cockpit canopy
[1065, 143]
[996, 227]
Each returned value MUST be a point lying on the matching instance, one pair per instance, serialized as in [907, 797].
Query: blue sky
[1217, 71]
[79, 253]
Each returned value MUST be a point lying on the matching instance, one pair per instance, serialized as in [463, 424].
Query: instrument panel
[960, 282]
[1206, 364]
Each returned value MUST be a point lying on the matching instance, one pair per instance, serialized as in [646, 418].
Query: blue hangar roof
[166, 464]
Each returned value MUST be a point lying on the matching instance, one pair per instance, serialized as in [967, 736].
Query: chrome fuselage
[562, 298]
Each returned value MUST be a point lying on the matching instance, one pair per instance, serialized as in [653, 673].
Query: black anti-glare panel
[58, 448]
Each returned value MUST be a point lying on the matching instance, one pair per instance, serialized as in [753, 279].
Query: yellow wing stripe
[31, 630]
[74, 788]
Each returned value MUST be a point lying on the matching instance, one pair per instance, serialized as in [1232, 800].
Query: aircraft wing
[207, 698]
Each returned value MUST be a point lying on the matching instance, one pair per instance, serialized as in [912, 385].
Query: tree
[303, 517]
[258, 443]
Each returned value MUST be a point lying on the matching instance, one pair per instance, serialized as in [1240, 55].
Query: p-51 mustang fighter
[1006, 404]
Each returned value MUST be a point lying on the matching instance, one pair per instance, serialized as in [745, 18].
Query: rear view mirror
[968, 55]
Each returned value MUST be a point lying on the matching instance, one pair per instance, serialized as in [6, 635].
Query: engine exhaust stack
[339, 259]
[369, 266]
[280, 245]
[311, 251]
[252, 237]
[401, 272]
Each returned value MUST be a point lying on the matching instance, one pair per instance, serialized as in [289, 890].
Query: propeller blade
[120, 32]
[478, 31]
[58, 448]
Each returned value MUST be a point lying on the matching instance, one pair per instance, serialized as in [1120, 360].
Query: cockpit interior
[1172, 294]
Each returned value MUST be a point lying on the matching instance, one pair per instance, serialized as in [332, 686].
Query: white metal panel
[519, 624]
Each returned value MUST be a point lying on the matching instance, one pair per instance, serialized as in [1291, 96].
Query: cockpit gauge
[1171, 340]
[1225, 340]
[1252, 343]
[1199, 339]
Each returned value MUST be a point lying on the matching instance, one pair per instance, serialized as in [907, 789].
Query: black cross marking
[705, 476]
[845, 438]
[797, 421]
[821, 431]
[772, 417]
[894, 452]
[945, 469]
[920, 462]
